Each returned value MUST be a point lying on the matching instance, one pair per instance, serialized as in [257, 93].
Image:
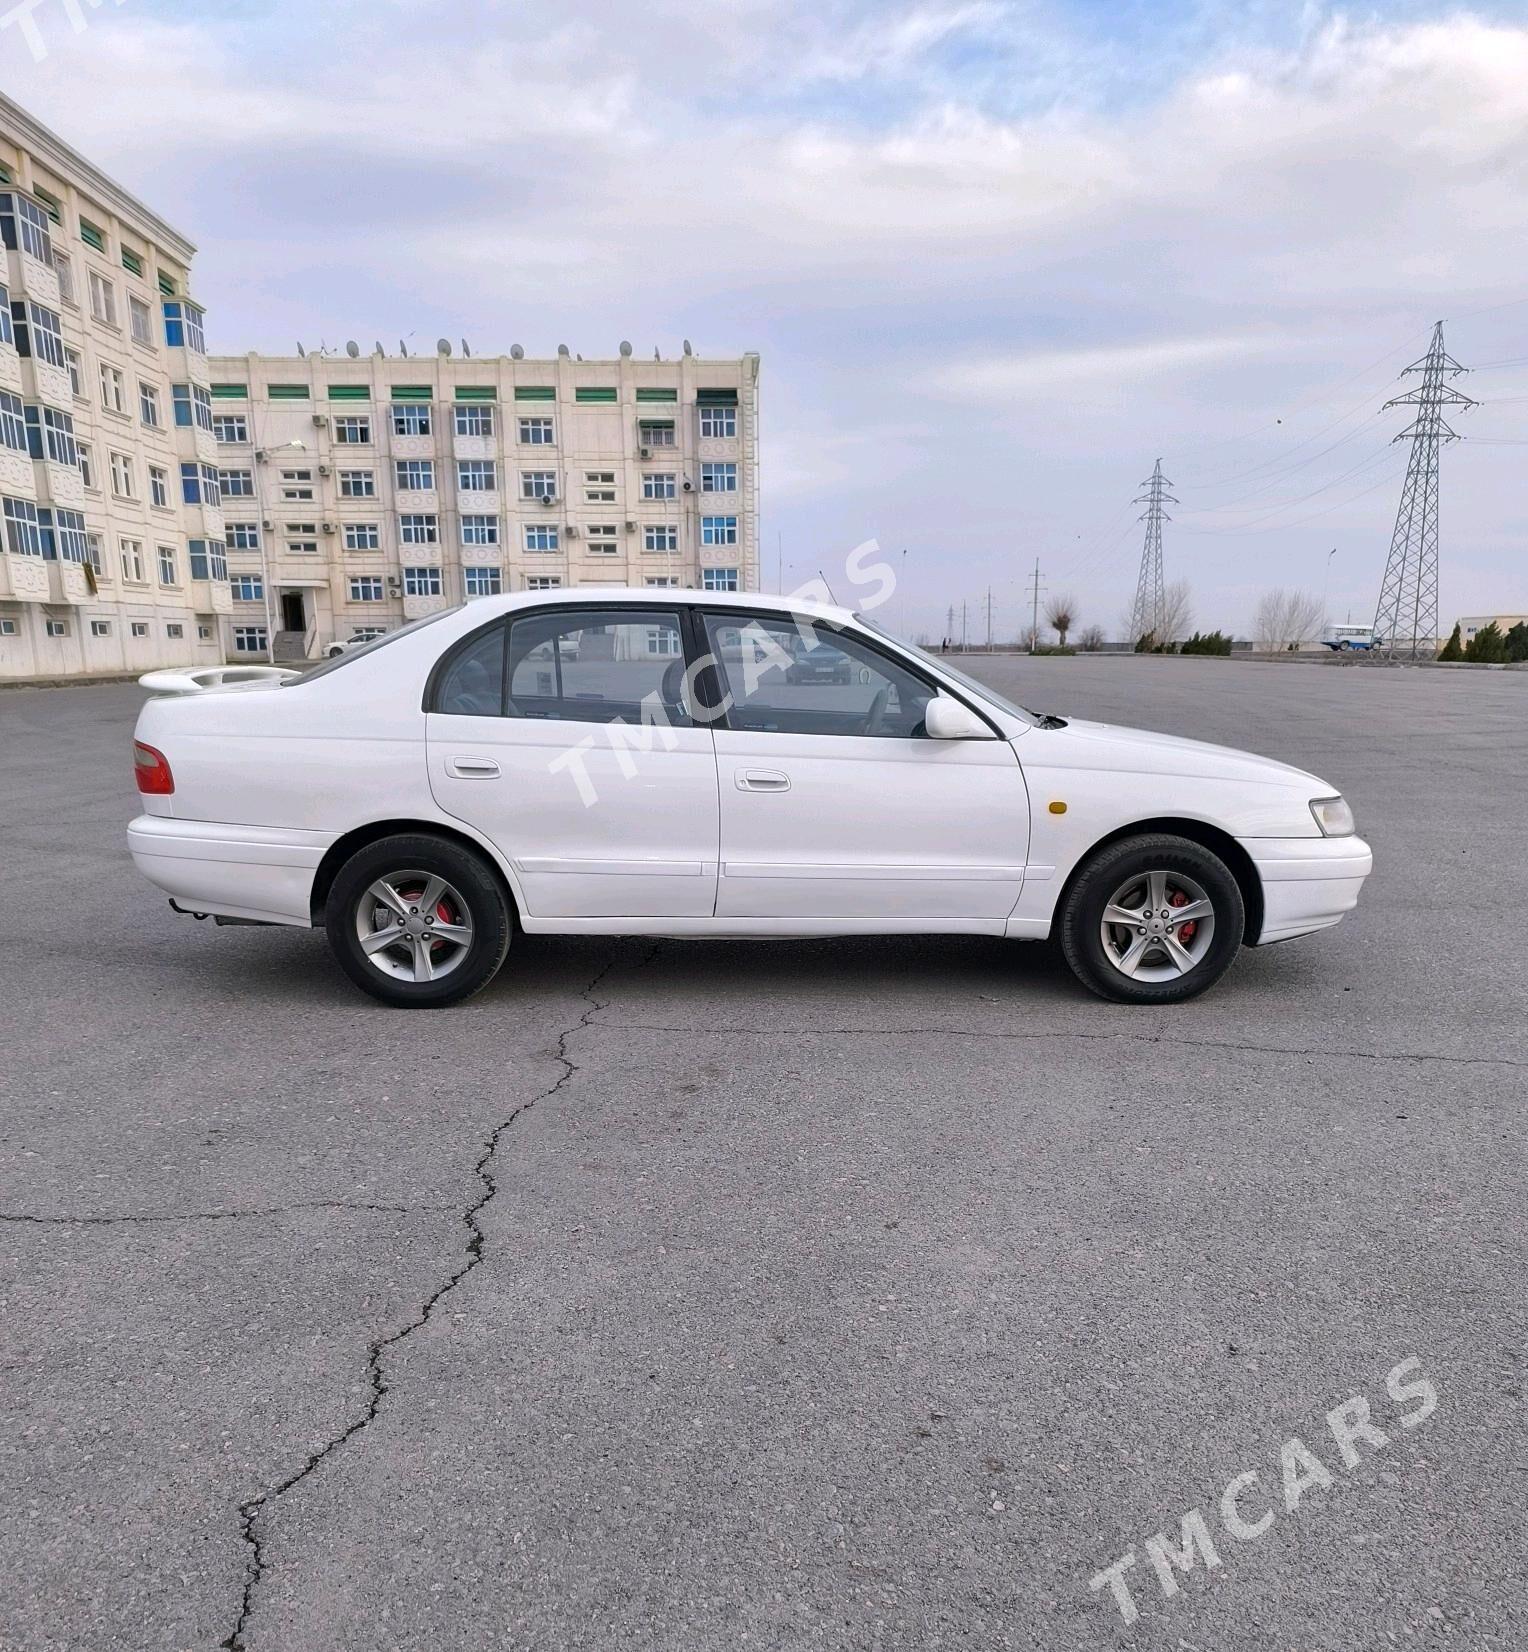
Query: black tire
[1105, 873]
[471, 885]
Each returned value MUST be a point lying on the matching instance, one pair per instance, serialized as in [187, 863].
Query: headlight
[1333, 816]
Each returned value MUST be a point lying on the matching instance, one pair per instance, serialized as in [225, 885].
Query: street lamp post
[1326, 586]
[261, 455]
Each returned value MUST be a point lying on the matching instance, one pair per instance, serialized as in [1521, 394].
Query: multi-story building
[112, 555]
[363, 491]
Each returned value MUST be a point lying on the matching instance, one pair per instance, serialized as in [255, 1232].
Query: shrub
[1452, 649]
[1517, 642]
[1207, 642]
[1487, 646]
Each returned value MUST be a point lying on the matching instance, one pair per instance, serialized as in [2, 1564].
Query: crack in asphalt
[224, 1215]
[1174, 1039]
[255, 1566]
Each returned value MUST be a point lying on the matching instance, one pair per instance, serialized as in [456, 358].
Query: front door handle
[472, 768]
[762, 780]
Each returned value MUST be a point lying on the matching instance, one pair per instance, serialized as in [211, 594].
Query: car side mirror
[945, 718]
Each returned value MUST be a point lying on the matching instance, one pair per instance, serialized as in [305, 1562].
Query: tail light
[151, 769]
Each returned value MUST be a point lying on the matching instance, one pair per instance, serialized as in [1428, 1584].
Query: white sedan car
[620, 762]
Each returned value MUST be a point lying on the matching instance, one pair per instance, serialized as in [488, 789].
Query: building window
[122, 476]
[138, 320]
[482, 582]
[132, 560]
[183, 325]
[199, 485]
[166, 564]
[159, 485]
[362, 536]
[301, 544]
[58, 628]
[8, 628]
[474, 421]
[411, 418]
[718, 530]
[113, 389]
[658, 485]
[103, 299]
[415, 475]
[542, 582]
[38, 332]
[230, 427]
[242, 536]
[7, 335]
[100, 628]
[94, 554]
[718, 478]
[208, 558]
[87, 465]
[148, 404]
[718, 421]
[540, 536]
[718, 579]
[247, 588]
[50, 435]
[421, 582]
[69, 536]
[24, 225]
[175, 632]
[480, 530]
[236, 484]
[536, 432]
[23, 531]
[655, 432]
[249, 639]
[538, 484]
[665, 582]
[193, 405]
[660, 536]
[353, 430]
[602, 540]
[418, 528]
[358, 484]
[72, 363]
[599, 487]
[13, 422]
[368, 588]
[65, 272]
[297, 486]
[477, 476]
[204, 632]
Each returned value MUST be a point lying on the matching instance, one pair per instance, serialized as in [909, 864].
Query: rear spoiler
[188, 681]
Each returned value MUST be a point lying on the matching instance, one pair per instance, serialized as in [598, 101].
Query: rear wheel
[1152, 920]
[418, 921]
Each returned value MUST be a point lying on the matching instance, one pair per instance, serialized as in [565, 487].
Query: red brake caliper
[442, 911]
[1185, 931]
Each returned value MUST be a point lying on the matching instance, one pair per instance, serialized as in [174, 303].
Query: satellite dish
[625, 346]
[687, 350]
[352, 349]
[465, 350]
[300, 350]
[656, 356]
[517, 352]
[443, 346]
[403, 349]
[379, 351]
[578, 358]
[562, 350]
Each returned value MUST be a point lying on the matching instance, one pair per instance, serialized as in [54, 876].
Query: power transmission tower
[1149, 612]
[989, 619]
[1034, 621]
[1407, 615]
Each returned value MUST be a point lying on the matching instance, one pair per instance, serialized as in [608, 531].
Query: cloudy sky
[998, 257]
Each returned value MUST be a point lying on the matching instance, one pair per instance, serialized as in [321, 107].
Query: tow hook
[185, 911]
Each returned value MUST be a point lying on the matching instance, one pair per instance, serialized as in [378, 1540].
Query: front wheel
[418, 921]
[1153, 919]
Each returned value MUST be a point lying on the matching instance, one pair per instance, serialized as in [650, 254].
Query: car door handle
[472, 768]
[762, 780]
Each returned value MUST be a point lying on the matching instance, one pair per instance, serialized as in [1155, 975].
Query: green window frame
[131, 262]
[230, 392]
[91, 236]
[288, 392]
[595, 393]
[350, 392]
[535, 392]
[716, 398]
[411, 393]
[51, 204]
[476, 393]
[166, 285]
[656, 393]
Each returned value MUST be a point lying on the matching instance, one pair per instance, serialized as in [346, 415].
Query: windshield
[324, 667]
[980, 690]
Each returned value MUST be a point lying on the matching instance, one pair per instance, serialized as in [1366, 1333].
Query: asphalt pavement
[856, 1294]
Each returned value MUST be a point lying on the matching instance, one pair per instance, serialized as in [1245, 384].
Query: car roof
[659, 596]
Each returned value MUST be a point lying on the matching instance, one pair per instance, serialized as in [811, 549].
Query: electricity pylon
[1148, 613]
[1406, 619]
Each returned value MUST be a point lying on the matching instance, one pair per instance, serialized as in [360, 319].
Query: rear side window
[597, 666]
[385, 640]
[473, 684]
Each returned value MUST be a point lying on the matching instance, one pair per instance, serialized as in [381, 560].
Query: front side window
[596, 666]
[474, 420]
[782, 677]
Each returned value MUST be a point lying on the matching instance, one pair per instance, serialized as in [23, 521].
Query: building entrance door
[294, 615]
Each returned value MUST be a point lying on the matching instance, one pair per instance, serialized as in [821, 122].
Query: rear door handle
[472, 768]
[762, 780]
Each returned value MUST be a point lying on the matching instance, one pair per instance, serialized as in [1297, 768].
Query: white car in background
[629, 762]
[357, 639]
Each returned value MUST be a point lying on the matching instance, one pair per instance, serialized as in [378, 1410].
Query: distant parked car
[1343, 639]
[467, 778]
[356, 639]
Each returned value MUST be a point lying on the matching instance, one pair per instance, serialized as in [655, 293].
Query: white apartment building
[363, 491]
[112, 551]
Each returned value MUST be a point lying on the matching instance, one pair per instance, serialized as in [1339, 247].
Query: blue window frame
[199, 485]
[236, 484]
[193, 406]
[13, 423]
[718, 530]
[183, 325]
[24, 227]
[718, 477]
[482, 582]
[247, 588]
[208, 559]
[23, 528]
[38, 331]
[6, 335]
[242, 536]
[50, 435]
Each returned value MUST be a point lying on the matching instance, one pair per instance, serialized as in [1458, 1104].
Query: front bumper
[1309, 883]
[255, 872]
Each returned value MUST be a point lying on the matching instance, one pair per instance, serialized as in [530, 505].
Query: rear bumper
[253, 872]
[1309, 883]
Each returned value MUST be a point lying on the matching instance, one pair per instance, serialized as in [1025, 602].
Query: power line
[1149, 612]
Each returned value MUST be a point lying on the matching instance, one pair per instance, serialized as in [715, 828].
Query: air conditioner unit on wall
[267, 523]
[549, 499]
[323, 470]
[688, 485]
[631, 527]
[644, 453]
[328, 527]
[572, 530]
[321, 420]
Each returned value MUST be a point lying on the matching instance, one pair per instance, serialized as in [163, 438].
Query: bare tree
[1285, 619]
[1177, 611]
[1092, 639]
[1061, 616]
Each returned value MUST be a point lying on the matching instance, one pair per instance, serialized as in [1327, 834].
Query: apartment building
[112, 556]
[363, 491]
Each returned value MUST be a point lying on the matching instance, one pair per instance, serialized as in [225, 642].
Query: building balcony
[421, 501]
[17, 476]
[67, 582]
[29, 277]
[213, 596]
[64, 484]
[23, 578]
[418, 607]
[43, 382]
[192, 442]
[10, 369]
[474, 447]
[479, 504]
[412, 447]
[186, 366]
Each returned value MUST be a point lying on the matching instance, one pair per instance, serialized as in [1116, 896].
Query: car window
[597, 666]
[781, 679]
[385, 640]
[473, 683]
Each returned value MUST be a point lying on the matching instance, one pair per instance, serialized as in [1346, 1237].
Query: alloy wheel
[413, 925]
[1157, 926]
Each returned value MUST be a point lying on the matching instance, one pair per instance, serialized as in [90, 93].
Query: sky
[997, 257]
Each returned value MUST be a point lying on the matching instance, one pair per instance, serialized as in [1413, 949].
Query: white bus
[1346, 637]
